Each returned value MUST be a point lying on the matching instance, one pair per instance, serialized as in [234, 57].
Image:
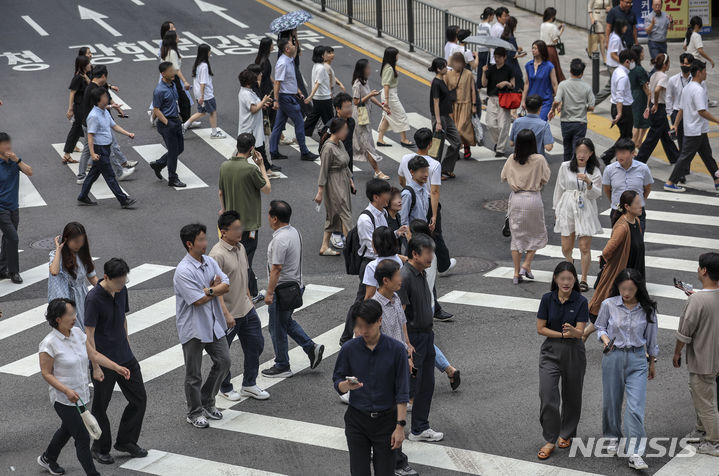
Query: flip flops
[329, 252]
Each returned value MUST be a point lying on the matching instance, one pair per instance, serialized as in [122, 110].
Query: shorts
[208, 106]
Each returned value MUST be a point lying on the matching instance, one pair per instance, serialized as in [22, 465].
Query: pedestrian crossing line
[513, 303]
[697, 180]
[427, 454]
[152, 152]
[689, 198]
[100, 190]
[675, 240]
[172, 358]
[695, 465]
[163, 463]
[312, 145]
[225, 146]
[118, 100]
[28, 194]
[28, 319]
[655, 290]
[659, 262]
[395, 152]
[673, 217]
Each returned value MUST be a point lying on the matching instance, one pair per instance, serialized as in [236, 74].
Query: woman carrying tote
[362, 142]
[396, 117]
[440, 104]
[64, 361]
[527, 172]
[550, 33]
[561, 318]
[579, 185]
[460, 80]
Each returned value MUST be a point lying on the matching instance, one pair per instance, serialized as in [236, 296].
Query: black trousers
[691, 146]
[370, 440]
[72, 426]
[74, 134]
[321, 108]
[440, 247]
[658, 131]
[250, 245]
[131, 421]
[614, 216]
[572, 132]
[175, 143]
[422, 386]
[625, 124]
[561, 360]
[103, 167]
[183, 102]
[9, 255]
[348, 331]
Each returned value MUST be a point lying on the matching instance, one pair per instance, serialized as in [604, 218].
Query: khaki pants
[703, 389]
[499, 121]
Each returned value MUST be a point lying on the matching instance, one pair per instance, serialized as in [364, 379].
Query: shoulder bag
[453, 92]
[289, 294]
[602, 265]
[436, 149]
[559, 45]
[362, 115]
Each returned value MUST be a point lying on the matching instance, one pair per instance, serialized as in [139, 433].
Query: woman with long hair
[693, 43]
[335, 184]
[541, 78]
[625, 249]
[170, 52]
[441, 106]
[204, 91]
[561, 318]
[627, 326]
[526, 172]
[266, 82]
[71, 268]
[395, 118]
[578, 186]
[550, 34]
[362, 95]
[460, 80]
[639, 82]
[508, 35]
[79, 82]
[321, 94]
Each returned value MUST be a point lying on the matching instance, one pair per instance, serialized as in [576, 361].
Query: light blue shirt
[635, 178]
[536, 124]
[285, 74]
[206, 321]
[628, 327]
[421, 205]
[100, 123]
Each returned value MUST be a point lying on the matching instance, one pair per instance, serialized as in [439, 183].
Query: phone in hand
[352, 380]
[686, 287]
[609, 347]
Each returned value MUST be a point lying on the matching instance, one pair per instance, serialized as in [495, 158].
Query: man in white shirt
[693, 112]
[675, 86]
[502, 15]
[621, 102]
[614, 46]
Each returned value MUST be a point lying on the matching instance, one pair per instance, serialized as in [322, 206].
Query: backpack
[353, 260]
[414, 198]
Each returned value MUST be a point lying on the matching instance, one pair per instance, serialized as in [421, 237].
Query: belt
[374, 414]
[630, 349]
[177, 118]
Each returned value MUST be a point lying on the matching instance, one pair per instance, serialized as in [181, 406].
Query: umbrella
[489, 41]
[290, 21]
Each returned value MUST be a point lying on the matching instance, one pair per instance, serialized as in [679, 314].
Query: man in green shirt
[242, 178]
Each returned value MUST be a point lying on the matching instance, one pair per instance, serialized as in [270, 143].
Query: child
[204, 92]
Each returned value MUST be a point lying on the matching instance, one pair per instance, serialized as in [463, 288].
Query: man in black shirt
[106, 328]
[498, 77]
[417, 299]
[375, 369]
[624, 11]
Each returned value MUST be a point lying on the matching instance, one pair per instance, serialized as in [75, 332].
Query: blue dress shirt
[628, 327]
[421, 205]
[165, 98]
[536, 124]
[285, 74]
[620, 179]
[100, 124]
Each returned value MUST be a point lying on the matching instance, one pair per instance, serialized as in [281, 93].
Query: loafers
[157, 168]
[102, 458]
[132, 448]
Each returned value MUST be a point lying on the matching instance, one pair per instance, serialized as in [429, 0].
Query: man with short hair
[695, 120]
[698, 329]
[10, 167]
[242, 180]
[657, 26]
[287, 102]
[573, 100]
[99, 139]
[284, 267]
[232, 260]
[202, 322]
[498, 77]
[415, 199]
[624, 12]
[169, 124]
[501, 16]
[622, 101]
[626, 174]
[417, 299]
[675, 86]
[532, 121]
[106, 305]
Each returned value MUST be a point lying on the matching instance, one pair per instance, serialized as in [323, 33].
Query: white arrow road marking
[219, 11]
[137, 2]
[87, 14]
[40, 30]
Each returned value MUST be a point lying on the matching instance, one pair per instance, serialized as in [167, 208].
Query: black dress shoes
[102, 458]
[133, 449]
[176, 183]
[157, 168]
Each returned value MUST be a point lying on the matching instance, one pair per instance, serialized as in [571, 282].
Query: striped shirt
[393, 318]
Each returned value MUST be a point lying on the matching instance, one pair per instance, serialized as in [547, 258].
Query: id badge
[580, 201]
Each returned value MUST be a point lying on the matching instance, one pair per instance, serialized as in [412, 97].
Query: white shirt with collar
[70, 364]
[694, 99]
[675, 86]
[365, 229]
[621, 89]
[496, 32]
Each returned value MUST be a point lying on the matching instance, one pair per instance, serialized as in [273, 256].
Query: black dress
[636, 249]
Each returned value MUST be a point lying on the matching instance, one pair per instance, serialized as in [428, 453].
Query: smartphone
[686, 287]
[352, 380]
[609, 347]
[124, 116]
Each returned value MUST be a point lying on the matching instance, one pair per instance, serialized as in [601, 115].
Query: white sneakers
[232, 395]
[337, 241]
[636, 462]
[427, 435]
[288, 141]
[707, 448]
[217, 135]
[125, 174]
[452, 264]
[254, 392]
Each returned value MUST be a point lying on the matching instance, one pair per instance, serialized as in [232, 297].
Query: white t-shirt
[695, 42]
[202, 76]
[448, 49]
[496, 32]
[435, 170]
[659, 78]
[468, 56]
[694, 99]
[249, 122]
[614, 46]
[319, 74]
[368, 278]
[70, 363]
[549, 33]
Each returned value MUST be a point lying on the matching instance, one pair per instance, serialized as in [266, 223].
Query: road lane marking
[690, 198]
[40, 30]
[676, 240]
[219, 11]
[99, 190]
[152, 152]
[673, 217]
[29, 196]
[163, 463]
[690, 266]
[97, 17]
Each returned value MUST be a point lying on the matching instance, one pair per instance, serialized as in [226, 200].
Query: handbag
[266, 124]
[289, 294]
[362, 115]
[510, 100]
[478, 130]
[560, 48]
[90, 422]
[602, 265]
[506, 231]
[453, 92]
[437, 147]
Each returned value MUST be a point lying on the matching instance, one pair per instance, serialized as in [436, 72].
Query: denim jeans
[440, 361]
[289, 109]
[175, 143]
[656, 47]
[625, 371]
[249, 331]
[102, 166]
[572, 132]
[282, 325]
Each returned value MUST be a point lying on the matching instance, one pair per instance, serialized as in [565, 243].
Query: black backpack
[353, 261]
[414, 198]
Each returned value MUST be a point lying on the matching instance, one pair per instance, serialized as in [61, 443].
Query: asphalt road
[495, 411]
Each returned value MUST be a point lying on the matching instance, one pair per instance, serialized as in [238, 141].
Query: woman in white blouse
[693, 43]
[550, 33]
[64, 354]
[579, 185]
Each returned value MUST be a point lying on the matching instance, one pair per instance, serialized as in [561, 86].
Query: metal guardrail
[420, 25]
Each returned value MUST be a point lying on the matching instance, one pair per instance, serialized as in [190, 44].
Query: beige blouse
[530, 177]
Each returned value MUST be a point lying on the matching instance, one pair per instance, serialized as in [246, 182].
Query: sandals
[329, 252]
[68, 160]
[583, 286]
[381, 175]
[564, 444]
[382, 144]
[545, 451]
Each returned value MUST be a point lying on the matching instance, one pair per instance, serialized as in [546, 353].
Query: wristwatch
[402, 423]
[210, 292]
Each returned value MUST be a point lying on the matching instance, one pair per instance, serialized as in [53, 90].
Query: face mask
[686, 69]
[632, 65]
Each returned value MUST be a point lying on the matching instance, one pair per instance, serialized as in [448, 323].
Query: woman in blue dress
[541, 78]
[71, 269]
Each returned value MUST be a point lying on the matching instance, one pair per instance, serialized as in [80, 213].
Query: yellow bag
[362, 116]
